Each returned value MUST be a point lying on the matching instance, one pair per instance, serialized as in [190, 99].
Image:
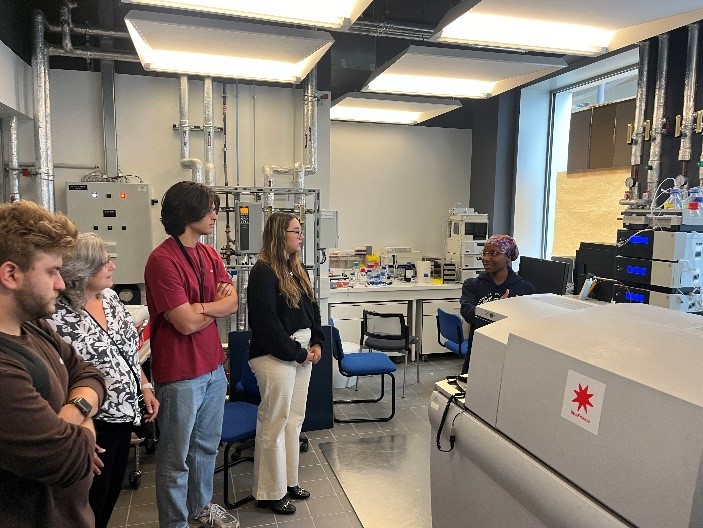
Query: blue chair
[450, 327]
[238, 427]
[366, 364]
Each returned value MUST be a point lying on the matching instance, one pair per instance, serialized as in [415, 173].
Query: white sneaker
[215, 516]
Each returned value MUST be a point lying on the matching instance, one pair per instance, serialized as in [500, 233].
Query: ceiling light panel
[201, 46]
[331, 14]
[444, 72]
[374, 108]
[567, 26]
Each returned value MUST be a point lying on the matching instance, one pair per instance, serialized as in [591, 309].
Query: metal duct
[638, 132]
[93, 53]
[66, 24]
[14, 166]
[194, 164]
[689, 94]
[42, 138]
[107, 78]
[386, 29]
[209, 145]
[310, 122]
[655, 148]
[242, 283]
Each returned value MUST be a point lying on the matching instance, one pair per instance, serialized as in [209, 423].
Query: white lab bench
[419, 303]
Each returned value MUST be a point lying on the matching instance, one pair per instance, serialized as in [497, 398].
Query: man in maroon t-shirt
[187, 287]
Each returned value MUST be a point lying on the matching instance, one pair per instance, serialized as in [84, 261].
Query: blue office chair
[366, 364]
[238, 428]
[450, 327]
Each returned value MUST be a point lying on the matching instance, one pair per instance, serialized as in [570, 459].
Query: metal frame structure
[268, 195]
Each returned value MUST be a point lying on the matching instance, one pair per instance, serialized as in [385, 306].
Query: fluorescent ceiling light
[523, 33]
[373, 108]
[567, 26]
[332, 14]
[442, 72]
[219, 48]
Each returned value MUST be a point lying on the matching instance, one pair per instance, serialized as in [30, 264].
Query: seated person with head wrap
[498, 281]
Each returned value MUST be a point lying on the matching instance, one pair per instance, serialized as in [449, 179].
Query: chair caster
[135, 479]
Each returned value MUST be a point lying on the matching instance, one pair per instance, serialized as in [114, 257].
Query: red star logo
[583, 398]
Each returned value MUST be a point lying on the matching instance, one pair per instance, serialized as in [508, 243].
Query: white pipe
[209, 145]
[14, 165]
[43, 157]
[310, 122]
[194, 164]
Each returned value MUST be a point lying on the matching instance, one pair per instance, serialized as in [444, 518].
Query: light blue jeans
[190, 426]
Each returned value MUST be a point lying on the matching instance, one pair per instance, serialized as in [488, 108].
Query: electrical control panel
[249, 227]
[120, 214]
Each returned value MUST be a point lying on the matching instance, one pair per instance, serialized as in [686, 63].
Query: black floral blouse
[94, 345]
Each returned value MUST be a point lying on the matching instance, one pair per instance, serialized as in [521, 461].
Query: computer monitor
[547, 276]
[596, 259]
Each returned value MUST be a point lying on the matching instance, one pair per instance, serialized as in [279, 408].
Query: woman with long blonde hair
[286, 340]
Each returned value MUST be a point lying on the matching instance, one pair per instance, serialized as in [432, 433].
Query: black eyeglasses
[297, 232]
[107, 261]
[491, 253]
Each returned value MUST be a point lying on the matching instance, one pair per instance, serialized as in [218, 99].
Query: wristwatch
[83, 406]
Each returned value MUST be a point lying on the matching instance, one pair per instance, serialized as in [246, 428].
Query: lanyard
[201, 276]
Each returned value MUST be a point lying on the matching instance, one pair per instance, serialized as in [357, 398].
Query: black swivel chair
[387, 332]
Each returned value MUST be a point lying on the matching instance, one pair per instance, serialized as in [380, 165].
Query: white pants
[284, 392]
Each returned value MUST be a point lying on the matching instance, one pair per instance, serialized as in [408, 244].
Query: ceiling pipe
[43, 157]
[194, 164]
[655, 148]
[389, 29]
[209, 146]
[14, 165]
[93, 53]
[635, 194]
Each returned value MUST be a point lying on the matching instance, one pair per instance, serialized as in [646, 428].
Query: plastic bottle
[695, 201]
[400, 272]
[356, 274]
[408, 272]
[383, 274]
[674, 201]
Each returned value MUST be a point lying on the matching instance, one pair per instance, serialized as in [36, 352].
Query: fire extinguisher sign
[583, 401]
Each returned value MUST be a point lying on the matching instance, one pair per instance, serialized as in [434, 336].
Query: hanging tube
[655, 148]
[14, 162]
[194, 164]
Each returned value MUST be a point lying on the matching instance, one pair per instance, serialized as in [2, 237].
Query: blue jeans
[190, 426]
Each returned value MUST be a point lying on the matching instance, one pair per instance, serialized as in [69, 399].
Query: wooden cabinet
[598, 137]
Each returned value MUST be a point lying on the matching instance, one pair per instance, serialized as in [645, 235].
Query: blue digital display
[634, 297]
[639, 239]
[636, 270]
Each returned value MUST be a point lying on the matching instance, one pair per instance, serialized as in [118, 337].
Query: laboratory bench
[418, 302]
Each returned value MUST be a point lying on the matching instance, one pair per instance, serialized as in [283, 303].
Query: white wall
[147, 108]
[394, 184]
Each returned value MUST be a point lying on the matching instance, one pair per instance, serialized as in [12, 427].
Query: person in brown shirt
[48, 453]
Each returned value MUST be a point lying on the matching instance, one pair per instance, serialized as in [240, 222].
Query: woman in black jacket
[286, 340]
[498, 281]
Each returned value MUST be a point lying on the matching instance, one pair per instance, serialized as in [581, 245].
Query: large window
[589, 160]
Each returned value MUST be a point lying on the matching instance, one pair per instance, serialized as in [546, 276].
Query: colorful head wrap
[506, 244]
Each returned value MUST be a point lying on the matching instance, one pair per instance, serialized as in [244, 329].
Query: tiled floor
[328, 507]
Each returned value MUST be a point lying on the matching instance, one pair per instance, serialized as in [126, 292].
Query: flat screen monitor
[547, 276]
[597, 259]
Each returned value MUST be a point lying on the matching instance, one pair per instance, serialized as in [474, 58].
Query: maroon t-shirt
[170, 282]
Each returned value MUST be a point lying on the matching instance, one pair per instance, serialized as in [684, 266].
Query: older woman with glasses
[90, 316]
[497, 281]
